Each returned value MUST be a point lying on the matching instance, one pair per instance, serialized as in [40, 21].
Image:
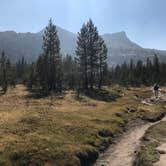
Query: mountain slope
[119, 41]
[121, 48]
[67, 40]
[29, 45]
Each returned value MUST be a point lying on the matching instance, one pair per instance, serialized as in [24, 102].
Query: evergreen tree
[91, 56]
[59, 73]
[148, 73]
[162, 73]
[138, 73]
[102, 60]
[49, 65]
[131, 70]
[32, 76]
[124, 74]
[156, 69]
[41, 70]
[69, 71]
[4, 66]
[116, 74]
[21, 70]
[82, 55]
[92, 50]
[106, 75]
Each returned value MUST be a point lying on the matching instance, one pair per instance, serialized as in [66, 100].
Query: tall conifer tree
[102, 60]
[82, 55]
[49, 63]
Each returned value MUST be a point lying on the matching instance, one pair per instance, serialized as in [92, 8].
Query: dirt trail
[123, 152]
[162, 160]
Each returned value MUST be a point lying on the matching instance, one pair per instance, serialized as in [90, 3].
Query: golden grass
[56, 131]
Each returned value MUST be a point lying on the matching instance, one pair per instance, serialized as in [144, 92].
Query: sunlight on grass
[59, 131]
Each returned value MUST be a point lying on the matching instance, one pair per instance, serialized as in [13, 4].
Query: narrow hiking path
[162, 160]
[122, 153]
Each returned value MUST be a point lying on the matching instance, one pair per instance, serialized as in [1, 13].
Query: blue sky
[144, 21]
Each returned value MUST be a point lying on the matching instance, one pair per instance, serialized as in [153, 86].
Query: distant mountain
[29, 45]
[20, 44]
[119, 41]
[67, 40]
[121, 48]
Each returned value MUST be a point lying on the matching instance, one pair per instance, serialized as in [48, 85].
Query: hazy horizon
[143, 22]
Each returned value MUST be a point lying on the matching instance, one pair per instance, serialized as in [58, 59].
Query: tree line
[139, 73]
[87, 70]
[52, 72]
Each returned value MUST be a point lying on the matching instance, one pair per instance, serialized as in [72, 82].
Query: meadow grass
[60, 130]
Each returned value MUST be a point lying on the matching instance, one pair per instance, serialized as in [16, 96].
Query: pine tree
[4, 64]
[162, 73]
[156, 69]
[82, 56]
[32, 76]
[124, 74]
[116, 76]
[91, 56]
[59, 73]
[102, 60]
[148, 73]
[106, 75]
[139, 73]
[41, 70]
[21, 70]
[69, 71]
[92, 50]
[131, 70]
[49, 65]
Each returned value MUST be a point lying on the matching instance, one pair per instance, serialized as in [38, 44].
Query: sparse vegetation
[55, 131]
[60, 114]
